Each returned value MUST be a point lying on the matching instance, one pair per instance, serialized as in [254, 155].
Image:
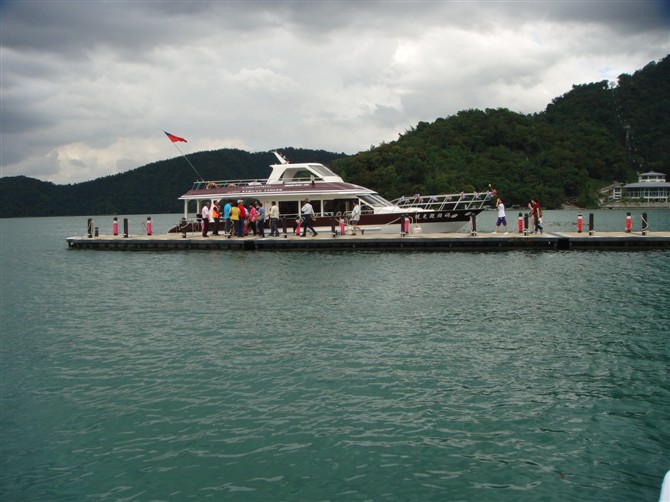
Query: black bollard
[525, 224]
[90, 228]
[591, 224]
[96, 232]
[402, 226]
[283, 222]
[125, 227]
[332, 226]
[473, 225]
[644, 224]
[183, 225]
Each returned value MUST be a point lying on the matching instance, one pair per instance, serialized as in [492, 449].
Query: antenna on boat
[282, 159]
[174, 139]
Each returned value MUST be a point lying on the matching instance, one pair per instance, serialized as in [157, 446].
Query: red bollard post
[520, 223]
[629, 223]
[580, 223]
[115, 226]
[148, 225]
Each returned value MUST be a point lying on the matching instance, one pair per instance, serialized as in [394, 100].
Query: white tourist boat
[290, 184]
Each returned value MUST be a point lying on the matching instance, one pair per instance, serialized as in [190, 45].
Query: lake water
[232, 375]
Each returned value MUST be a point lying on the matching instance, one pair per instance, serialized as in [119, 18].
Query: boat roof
[278, 191]
[287, 181]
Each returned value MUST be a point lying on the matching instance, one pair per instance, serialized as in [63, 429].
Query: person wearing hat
[307, 214]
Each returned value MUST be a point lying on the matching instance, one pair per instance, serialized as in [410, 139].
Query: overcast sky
[88, 87]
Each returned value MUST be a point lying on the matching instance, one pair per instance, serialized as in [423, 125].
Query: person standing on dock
[205, 219]
[253, 217]
[216, 215]
[308, 215]
[226, 218]
[260, 219]
[234, 220]
[274, 220]
[536, 213]
[502, 218]
[355, 217]
[241, 223]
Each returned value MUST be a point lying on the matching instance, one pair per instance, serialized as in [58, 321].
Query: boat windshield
[321, 170]
[374, 200]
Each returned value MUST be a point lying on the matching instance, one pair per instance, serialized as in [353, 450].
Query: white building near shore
[651, 188]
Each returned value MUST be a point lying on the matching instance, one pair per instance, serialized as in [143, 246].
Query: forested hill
[591, 136]
[151, 189]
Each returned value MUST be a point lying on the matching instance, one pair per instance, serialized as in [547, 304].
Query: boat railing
[204, 185]
[213, 184]
[445, 202]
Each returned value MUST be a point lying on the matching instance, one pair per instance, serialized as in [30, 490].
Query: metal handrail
[443, 202]
[202, 185]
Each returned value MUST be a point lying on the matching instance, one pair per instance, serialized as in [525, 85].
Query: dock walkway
[441, 242]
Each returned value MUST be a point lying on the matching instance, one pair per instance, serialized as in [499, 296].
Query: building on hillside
[650, 189]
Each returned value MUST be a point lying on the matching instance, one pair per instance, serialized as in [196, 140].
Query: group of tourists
[239, 219]
[535, 215]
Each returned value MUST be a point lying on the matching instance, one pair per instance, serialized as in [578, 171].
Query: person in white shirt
[274, 220]
[502, 219]
[205, 219]
[307, 214]
[355, 217]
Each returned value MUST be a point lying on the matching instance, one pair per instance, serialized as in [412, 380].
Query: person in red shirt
[536, 213]
[243, 216]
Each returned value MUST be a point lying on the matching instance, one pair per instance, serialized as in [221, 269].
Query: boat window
[298, 175]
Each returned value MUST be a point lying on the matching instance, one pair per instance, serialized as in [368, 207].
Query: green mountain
[151, 189]
[591, 136]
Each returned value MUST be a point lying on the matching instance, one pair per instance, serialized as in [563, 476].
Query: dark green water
[511, 376]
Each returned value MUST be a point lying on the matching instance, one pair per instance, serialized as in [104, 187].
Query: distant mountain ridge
[150, 189]
[589, 137]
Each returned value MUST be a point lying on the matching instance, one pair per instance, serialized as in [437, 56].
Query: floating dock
[413, 242]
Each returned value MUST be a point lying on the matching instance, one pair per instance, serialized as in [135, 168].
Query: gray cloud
[88, 87]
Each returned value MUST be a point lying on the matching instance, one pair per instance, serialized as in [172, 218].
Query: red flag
[174, 138]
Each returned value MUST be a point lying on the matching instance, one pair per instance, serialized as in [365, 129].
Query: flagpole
[189, 162]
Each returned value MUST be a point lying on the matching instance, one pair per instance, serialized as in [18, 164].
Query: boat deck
[326, 241]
